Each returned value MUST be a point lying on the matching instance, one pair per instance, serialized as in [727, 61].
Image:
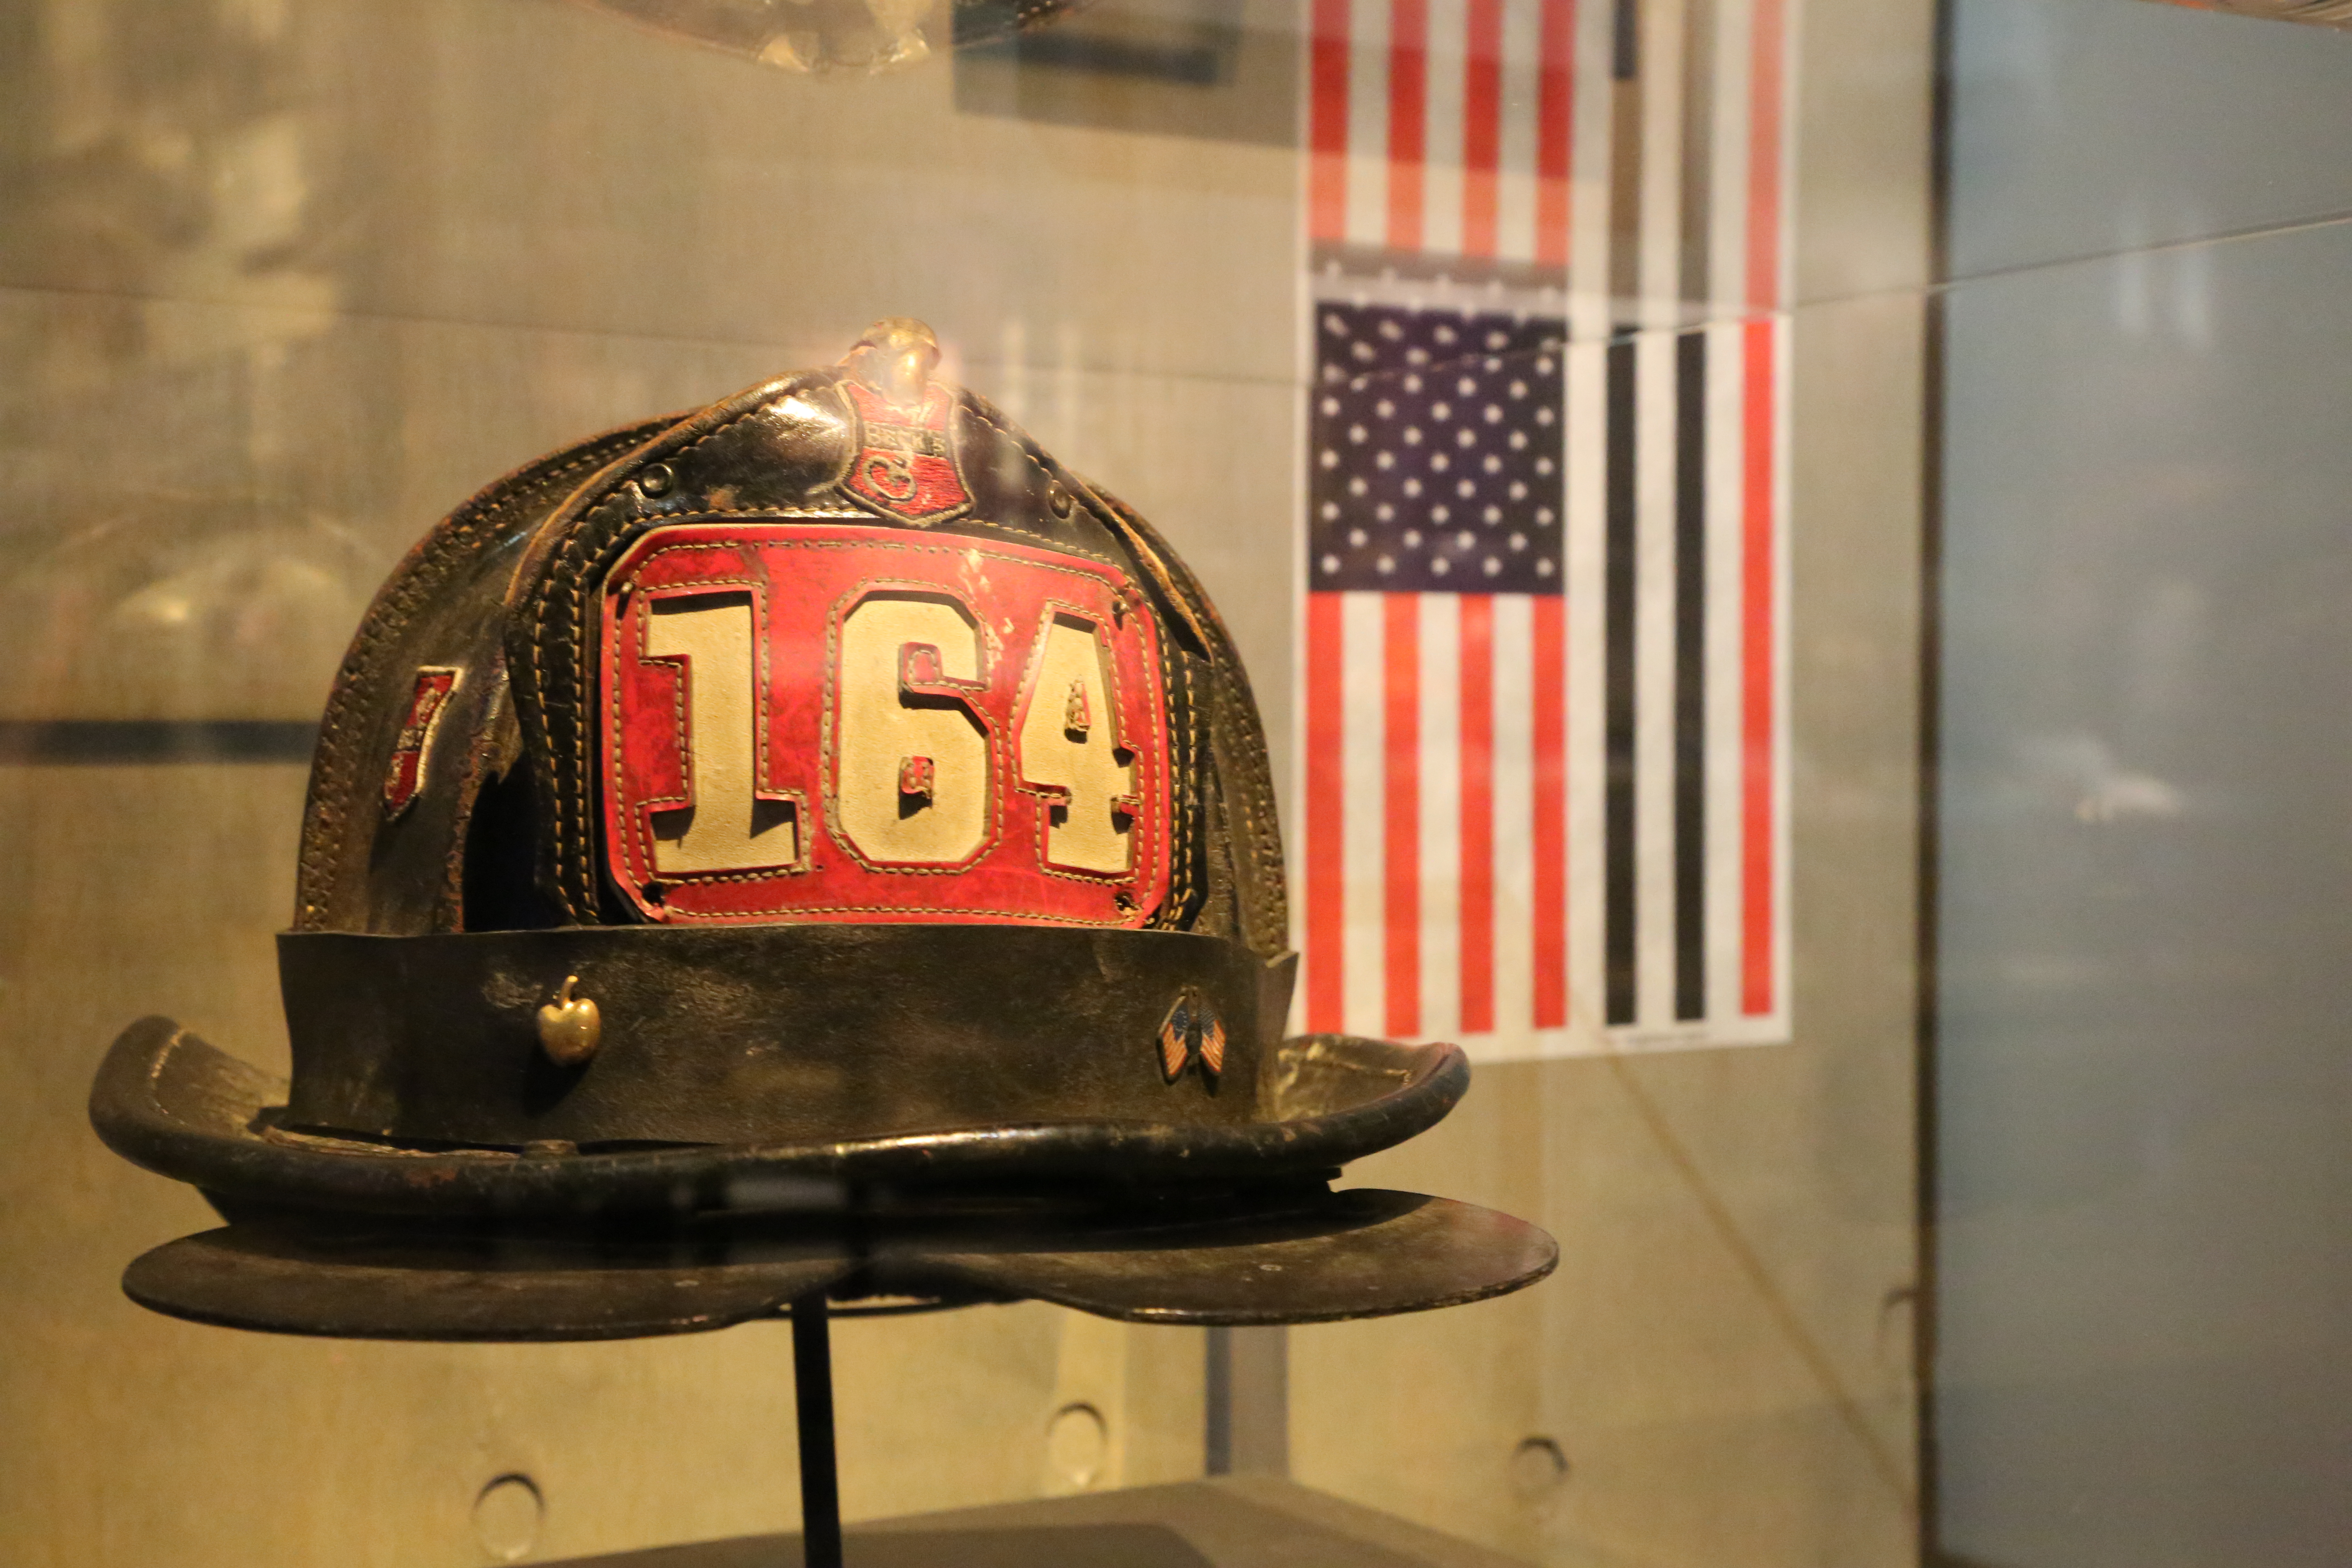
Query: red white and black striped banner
[1544, 759]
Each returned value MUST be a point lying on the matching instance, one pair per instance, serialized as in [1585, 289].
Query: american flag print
[1544, 707]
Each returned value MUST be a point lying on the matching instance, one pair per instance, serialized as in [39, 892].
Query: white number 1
[727, 827]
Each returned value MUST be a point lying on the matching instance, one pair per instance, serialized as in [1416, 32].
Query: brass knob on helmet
[570, 1027]
[895, 356]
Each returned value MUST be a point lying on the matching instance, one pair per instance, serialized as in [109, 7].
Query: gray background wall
[2144, 1080]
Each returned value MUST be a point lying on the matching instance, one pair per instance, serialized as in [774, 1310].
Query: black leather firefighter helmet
[826, 784]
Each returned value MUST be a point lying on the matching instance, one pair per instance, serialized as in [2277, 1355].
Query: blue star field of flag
[1437, 448]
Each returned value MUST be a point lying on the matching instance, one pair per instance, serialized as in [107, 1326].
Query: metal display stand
[813, 1411]
[1258, 1521]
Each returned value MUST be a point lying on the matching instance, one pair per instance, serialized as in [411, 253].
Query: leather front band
[753, 1034]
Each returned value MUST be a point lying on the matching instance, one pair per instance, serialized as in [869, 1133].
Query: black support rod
[812, 1403]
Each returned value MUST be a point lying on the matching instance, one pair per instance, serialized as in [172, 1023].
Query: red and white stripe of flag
[1439, 906]
[1487, 128]
[1441, 126]
[1454, 761]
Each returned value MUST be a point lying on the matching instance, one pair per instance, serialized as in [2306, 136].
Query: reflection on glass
[2327, 13]
[820, 36]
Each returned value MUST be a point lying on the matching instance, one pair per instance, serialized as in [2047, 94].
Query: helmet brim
[172, 1102]
[1316, 1256]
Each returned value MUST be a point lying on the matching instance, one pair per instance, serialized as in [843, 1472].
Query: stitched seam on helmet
[1253, 790]
[1029, 541]
[1018, 915]
[1257, 790]
[563, 788]
[1273, 898]
[1180, 891]
[570, 794]
[1137, 546]
[437, 557]
[973, 406]
[1262, 846]
[1143, 548]
[1184, 849]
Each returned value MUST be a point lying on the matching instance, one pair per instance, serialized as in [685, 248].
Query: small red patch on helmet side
[406, 776]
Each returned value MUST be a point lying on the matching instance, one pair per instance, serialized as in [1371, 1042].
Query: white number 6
[914, 786]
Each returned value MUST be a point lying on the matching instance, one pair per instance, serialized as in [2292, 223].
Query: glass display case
[1786, 551]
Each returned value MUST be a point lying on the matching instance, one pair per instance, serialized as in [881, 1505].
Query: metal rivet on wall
[1078, 1440]
[506, 1516]
[1539, 1469]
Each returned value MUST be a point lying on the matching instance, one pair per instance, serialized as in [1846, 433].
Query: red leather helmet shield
[837, 721]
